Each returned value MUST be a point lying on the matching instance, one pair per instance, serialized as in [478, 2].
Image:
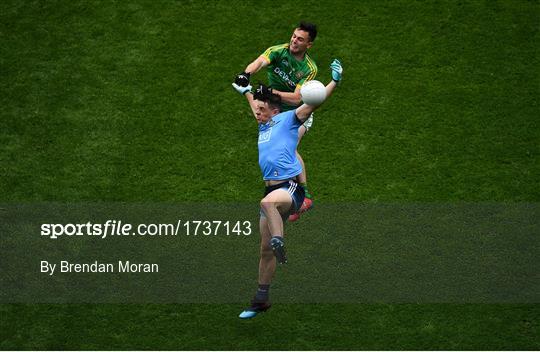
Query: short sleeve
[293, 119]
[273, 52]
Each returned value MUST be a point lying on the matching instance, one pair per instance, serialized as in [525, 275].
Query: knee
[267, 205]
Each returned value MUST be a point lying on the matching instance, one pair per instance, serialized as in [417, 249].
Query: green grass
[117, 101]
[328, 327]
[106, 101]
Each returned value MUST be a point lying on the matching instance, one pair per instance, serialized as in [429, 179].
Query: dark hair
[310, 28]
[273, 101]
[264, 94]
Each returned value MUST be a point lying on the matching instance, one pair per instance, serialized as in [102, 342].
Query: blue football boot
[255, 308]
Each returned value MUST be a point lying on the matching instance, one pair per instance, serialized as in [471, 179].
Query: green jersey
[285, 73]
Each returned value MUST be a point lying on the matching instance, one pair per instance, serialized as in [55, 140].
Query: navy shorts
[294, 189]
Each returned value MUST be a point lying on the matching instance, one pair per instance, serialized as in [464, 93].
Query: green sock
[308, 195]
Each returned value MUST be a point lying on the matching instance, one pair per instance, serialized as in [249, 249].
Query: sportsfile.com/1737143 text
[119, 228]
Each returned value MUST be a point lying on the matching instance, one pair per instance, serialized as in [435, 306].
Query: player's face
[300, 42]
[263, 112]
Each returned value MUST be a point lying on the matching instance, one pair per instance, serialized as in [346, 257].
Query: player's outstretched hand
[337, 70]
[240, 89]
[242, 79]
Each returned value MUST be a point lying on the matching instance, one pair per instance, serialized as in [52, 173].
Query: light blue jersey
[277, 147]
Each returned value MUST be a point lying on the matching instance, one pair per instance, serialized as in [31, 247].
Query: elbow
[297, 100]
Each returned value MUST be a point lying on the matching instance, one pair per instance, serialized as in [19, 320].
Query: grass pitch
[113, 101]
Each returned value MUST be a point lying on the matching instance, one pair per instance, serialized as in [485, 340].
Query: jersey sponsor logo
[284, 77]
[273, 122]
[264, 136]
[284, 62]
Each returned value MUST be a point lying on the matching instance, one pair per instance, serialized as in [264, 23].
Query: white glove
[242, 90]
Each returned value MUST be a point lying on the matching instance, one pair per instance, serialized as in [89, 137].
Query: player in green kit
[288, 67]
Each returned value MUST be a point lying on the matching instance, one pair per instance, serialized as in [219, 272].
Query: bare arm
[256, 65]
[293, 98]
[252, 103]
[304, 111]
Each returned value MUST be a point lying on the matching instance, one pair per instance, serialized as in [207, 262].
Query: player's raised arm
[290, 98]
[246, 91]
[256, 65]
[242, 79]
[293, 98]
[304, 111]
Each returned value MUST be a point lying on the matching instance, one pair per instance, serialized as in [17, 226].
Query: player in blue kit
[278, 136]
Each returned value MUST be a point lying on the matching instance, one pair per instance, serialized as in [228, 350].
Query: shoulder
[311, 63]
[311, 70]
[288, 116]
[276, 49]
[279, 47]
[287, 113]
